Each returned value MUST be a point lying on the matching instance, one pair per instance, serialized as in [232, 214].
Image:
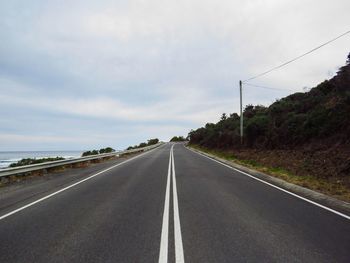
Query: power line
[264, 87]
[296, 58]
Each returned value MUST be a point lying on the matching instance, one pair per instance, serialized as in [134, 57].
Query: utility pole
[240, 92]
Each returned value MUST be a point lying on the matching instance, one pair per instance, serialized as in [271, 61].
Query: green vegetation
[322, 113]
[95, 152]
[144, 144]
[303, 138]
[107, 150]
[178, 139]
[28, 161]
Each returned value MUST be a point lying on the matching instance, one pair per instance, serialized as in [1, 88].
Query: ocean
[6, 158]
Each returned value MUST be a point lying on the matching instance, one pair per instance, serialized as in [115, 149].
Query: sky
[79, 75]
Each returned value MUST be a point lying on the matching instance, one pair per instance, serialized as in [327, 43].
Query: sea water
[6, 158]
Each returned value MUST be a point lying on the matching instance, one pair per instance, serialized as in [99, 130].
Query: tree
[106, 150]
[142, 144]
[178, 139]
[109, 150]
[153, 141]
[86, 153]
[223, 117]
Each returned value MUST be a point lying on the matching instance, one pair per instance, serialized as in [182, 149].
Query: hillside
[304, 133]
[322, 113]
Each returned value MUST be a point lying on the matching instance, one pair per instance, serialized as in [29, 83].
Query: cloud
[168, 109]
[123, 71]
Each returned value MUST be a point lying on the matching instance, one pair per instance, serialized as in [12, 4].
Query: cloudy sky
[77, 75]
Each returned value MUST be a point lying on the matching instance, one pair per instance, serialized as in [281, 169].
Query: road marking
[179, 253]
[274, 186]
[163, 251]
[68, 187]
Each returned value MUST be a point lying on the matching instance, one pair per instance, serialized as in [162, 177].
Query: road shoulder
[31, 188]
[314, 196]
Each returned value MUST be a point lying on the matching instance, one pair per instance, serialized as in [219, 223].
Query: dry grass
[330, 186]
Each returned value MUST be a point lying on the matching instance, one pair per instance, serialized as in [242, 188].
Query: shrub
[106, 150]
[153, 141]
[178, 139]
[95, 152]
[28, 161]
[256, 127]
[143, 144]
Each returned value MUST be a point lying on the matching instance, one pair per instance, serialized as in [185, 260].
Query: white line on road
[179, 253]
[274, 186]
[163, 252]
[68, 187]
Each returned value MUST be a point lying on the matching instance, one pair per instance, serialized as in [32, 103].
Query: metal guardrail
[47, 165]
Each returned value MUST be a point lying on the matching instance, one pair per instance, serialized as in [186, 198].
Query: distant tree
[102, 151]
[109, 150]
[29, 161]
[142, 144]
[178, 139]
[86, 153]
[153, 141]
[106, 150]
[209, 125]
[93, 152]
[234, 115]
[223, 117]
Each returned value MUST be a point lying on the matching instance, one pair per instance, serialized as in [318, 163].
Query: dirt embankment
[332, 164]
[325, 169]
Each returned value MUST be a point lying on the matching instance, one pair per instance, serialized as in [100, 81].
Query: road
[166, 205]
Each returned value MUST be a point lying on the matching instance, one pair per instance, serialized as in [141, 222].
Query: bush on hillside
[144, 144]
[95, 152]
[29, 161]
[178, 139]
[297, 119]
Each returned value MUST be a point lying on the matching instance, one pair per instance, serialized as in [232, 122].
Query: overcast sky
[78, 75]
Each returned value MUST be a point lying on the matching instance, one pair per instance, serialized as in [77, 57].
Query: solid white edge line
[163, 250]
[274, 186]
[70, 186]
[179, 253]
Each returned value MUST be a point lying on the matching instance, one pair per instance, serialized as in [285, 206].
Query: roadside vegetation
[178, 139]
[305, 136]
[144, 144]
[329, 186]
[95, 152]
[28, 161]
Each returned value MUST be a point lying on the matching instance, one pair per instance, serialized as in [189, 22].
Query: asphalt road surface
[166, 205]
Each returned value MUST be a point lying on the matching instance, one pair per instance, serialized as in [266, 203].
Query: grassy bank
[334, 186]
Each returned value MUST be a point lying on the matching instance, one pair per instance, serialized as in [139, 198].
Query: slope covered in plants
[321, 114]
[304, 133]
